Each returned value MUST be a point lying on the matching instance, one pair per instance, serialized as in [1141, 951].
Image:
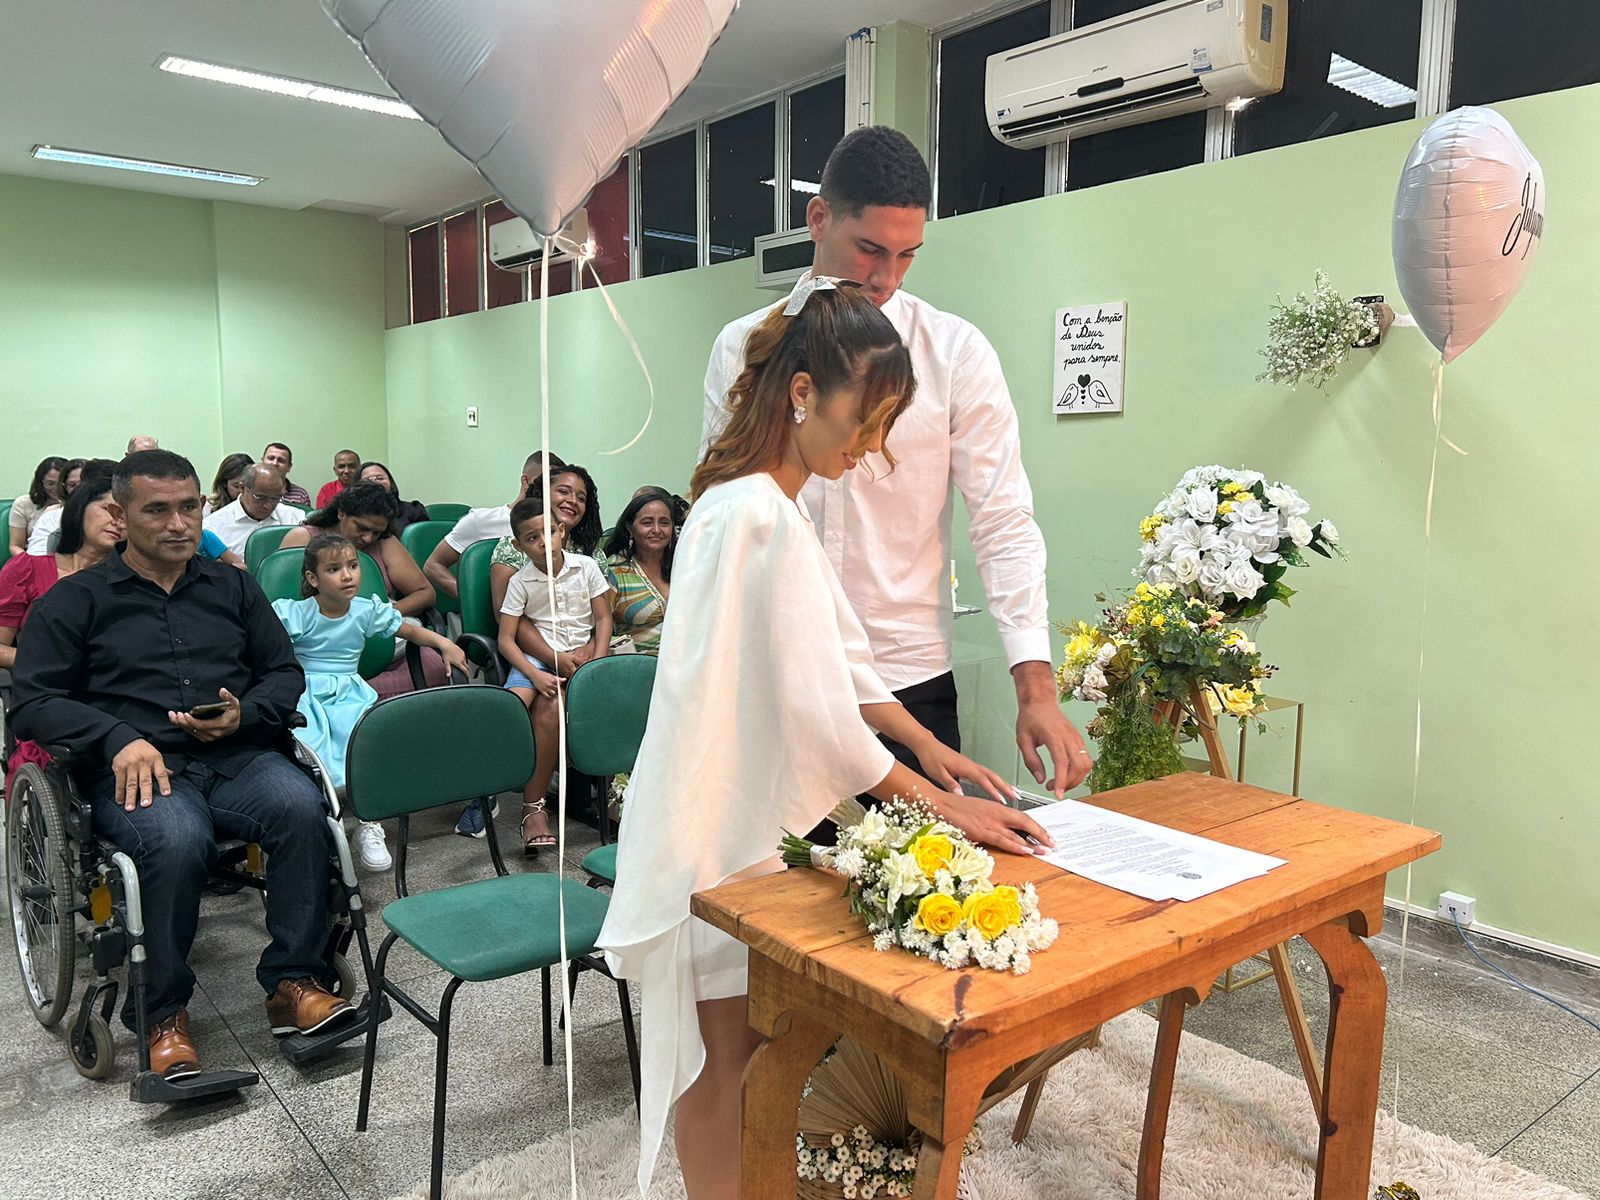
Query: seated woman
[89, 532]
[72, 476]
[227, 485]
[639, 569]
[47, 529]
[411, 511]
[43, 493]
[364, 513]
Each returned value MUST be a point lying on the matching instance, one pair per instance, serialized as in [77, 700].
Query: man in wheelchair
[171, 681]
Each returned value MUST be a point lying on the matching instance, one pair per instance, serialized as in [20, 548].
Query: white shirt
[887, 536]
[754, 728]
[234, 526]
[25, 513]
[479, 525]
[578, 582]
[46, 531]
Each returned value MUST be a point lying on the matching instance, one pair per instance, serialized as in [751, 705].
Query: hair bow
[813, 283]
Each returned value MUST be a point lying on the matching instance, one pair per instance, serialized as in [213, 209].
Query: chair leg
[631, 1038]
[441, 1081]
[369, 1055]
[544, 989]
[572, 972]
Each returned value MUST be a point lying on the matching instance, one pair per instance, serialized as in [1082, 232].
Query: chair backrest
[447, 512]
[5, 529]
[477, 602]
[420, 538]
[608, 701]
[435, 747]
[279, 577]
[262, 542]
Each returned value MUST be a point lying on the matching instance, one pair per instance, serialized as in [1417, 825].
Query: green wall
[214, 326]
[1199, 255]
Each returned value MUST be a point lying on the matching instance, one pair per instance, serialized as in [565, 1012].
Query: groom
[888, 537]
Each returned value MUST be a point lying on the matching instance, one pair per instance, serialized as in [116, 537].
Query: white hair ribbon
[813, 283]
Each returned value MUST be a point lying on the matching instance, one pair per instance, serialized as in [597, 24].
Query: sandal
[533, 843]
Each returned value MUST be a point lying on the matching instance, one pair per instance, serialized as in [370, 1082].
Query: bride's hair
[841, 340]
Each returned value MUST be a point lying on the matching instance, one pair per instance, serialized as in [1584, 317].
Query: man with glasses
[260, 504]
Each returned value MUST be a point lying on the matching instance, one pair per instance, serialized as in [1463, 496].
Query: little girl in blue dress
[329, 627]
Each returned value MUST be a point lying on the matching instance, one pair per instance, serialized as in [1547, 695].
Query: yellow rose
[1158, 620]
[932, 851]
[1081, 648]
[938, 914]
[1013, 902]
[1224, 508]
[1239, 701]
[990, 913]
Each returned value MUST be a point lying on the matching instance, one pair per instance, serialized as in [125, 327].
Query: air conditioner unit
[514, 246]
[1156, 62]
[781, 258]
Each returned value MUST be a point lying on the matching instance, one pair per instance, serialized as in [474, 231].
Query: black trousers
[933, 704]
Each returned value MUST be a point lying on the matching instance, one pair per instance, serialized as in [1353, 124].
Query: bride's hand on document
[995, 825]
[946, 768]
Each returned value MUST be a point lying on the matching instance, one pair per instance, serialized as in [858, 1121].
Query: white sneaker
[374, 850]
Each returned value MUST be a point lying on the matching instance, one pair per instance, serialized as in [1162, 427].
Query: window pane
[505, 287]
[1505, 49]
[1092, 12]
[423, 247]
[742, 155]
[461, 263]
[975, 170]
[560, 279]
[667, 201]
[608, 227]
[816, 123]
[1136, 150]
[1370, 46]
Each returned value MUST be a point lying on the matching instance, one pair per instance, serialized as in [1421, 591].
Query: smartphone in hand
[208, 712]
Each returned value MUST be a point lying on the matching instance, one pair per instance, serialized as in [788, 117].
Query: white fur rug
[1238, 1128]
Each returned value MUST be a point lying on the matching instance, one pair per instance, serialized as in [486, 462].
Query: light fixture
[118, 162]
[1239, 103]
[797, 185]
[1368, 84]
[284, 85]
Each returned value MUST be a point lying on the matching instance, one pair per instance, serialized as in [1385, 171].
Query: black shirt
[106, 653]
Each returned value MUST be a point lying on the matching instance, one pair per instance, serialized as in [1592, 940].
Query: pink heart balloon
[541, 96]
[1468, 220]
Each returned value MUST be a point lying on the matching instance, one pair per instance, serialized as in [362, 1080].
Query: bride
[764, 710]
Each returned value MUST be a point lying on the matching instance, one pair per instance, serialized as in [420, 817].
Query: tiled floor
[1479, 1061]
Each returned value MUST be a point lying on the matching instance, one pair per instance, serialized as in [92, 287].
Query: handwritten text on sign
[1089, 344]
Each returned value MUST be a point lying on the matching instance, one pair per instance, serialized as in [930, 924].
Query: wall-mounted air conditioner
[781, 258]
[1156, 62]
[514, 246]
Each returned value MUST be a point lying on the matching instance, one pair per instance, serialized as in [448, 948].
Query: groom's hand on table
[995, 825]
[1041, 725]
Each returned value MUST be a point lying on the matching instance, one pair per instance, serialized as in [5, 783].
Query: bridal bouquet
[1229, 537]
[921, 885]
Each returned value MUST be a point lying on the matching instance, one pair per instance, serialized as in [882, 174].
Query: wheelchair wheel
[344, 982]
[39, 888]
[94, 1054]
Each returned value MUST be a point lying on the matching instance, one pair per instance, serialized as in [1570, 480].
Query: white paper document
[1141, 857]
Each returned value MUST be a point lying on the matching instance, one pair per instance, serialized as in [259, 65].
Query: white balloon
[542, 96]
[1468, 220]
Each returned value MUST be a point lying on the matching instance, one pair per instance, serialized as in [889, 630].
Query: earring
[799, 416]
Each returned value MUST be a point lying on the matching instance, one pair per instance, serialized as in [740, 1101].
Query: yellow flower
[1082, 645]
[938, 914]
[1013, 902]
[1142, 591]
[992, 913]
[1150, 527]
[1158, 620]
[1135, 615]
[1239, 701]
[932, 851]
[1224, 508]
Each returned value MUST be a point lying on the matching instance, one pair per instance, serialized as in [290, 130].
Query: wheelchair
[65, 885]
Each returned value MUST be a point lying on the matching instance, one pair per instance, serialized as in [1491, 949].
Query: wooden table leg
[1169, 1032]
[1358, 996]
[1299, 1027]
[939, 1160]
[769, 1105]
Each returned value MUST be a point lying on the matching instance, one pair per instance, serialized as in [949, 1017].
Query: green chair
[608, 702]
[262, 542]
[279, 577]
[440, 747]
[447, 512]
[420, 539]
[5, 529]
[480, 623]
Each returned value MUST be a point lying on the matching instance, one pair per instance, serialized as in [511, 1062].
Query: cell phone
[207, 712]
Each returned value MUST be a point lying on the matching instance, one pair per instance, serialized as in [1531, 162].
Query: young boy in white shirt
[582, 611]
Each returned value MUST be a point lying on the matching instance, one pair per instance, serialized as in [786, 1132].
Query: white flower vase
[1250, 627]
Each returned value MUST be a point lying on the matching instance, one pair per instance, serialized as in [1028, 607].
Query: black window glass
[742, 156]
[667, 206]
[1135, 150]
[975, 171]
[816, 123]
[1507, 48]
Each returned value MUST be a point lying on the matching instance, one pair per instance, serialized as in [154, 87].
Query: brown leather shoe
[304, 1006]
[172, 1054]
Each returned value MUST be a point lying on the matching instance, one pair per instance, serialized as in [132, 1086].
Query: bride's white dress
[755, 728]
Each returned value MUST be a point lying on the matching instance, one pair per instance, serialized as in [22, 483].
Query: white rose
[1298, 530]
[1186, 564]
[1092, 688]
[1287, 500]
[968, 862]
[1244, 580]
[1202, 505]
[1328, 533]
[1214, 572]
[872, 828]
[902, 877]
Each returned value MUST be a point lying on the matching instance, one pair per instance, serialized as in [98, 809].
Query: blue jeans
[174, 845]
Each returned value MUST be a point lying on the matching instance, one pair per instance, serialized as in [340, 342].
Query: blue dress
[329, 649]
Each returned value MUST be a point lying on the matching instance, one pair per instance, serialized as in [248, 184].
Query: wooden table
[814, 975]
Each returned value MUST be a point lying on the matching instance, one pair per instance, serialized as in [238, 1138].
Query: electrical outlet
[1463, 908]
[472, 416]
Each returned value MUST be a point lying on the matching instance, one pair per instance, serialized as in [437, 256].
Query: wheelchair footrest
[303, 1048]
[150, 1088]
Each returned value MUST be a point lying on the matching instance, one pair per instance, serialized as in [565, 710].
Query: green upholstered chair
[279, 576]
[420, 538]
[480, 623]
[608, 702]
[262, 542]
[447, 512]
[5, 529]
[440, 747]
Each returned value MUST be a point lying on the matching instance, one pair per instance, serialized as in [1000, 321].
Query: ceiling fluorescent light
[88, 158]
[283, 85]
[1368, 84]
[797, 185]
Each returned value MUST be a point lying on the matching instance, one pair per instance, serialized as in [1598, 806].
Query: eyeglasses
[265, 499]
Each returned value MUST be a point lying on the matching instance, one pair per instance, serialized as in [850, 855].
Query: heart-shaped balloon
[542, 96]
[1468, 220]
